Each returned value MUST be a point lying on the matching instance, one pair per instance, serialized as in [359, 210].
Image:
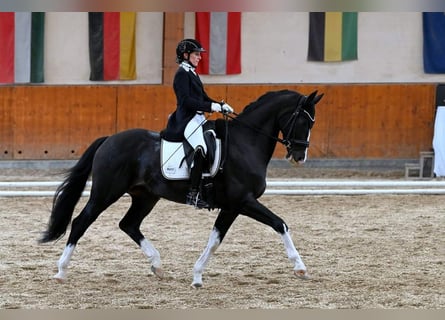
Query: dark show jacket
[191, 98]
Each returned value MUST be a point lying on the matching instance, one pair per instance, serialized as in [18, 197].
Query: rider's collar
[188, 67]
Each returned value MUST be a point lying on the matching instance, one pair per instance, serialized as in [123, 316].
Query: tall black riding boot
[193, 196]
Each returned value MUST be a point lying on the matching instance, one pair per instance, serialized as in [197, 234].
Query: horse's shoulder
[220, 126]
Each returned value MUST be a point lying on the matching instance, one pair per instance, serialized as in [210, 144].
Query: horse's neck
[261, 131]
[262, 121]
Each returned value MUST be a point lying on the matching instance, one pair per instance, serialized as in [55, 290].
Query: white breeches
[193, 132]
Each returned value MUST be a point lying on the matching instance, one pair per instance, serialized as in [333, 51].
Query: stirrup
[194, 199]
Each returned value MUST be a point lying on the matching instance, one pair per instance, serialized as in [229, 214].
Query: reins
[277, 139]
[285, 142]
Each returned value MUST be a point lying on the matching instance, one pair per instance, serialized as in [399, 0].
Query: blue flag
[434, 42]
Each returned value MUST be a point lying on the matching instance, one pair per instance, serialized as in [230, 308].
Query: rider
[187, 120]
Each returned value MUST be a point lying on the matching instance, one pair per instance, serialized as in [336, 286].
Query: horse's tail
[68, 194]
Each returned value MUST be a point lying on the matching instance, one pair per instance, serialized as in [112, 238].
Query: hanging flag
[220, 34]
[112, 45]
[22, 47]
[434, 42]
[332, 36]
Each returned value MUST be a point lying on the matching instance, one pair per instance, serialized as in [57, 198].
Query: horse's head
[296, 124]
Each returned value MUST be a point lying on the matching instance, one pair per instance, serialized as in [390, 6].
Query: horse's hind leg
[220, 228]
[141, 205]
[78, 227]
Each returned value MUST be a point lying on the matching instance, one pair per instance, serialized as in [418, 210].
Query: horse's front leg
[259, 212]
[220, 228]
[300, 269]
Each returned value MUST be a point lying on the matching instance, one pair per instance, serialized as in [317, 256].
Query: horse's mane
[265, 98]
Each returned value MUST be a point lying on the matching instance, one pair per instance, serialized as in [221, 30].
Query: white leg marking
[64, 261]
[212, 245]
[305, 151]
[153, 256]
[292, 252]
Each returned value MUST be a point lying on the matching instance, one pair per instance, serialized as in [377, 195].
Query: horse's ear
[318, 98]
[311, 97]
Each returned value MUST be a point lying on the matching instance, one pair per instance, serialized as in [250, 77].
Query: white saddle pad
[173, 165]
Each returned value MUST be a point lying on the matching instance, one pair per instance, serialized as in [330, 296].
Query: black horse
[129, 162]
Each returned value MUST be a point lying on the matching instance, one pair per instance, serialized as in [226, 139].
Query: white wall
[274, 49]
[66, 48]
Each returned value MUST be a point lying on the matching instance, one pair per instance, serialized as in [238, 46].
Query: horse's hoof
[302, 274]
[196, 285]
[59, 279]
[157, 272]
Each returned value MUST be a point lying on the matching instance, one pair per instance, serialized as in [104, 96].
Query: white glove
[226, 108]
[216, 107]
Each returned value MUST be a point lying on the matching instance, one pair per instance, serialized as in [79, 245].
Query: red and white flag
[220, 34]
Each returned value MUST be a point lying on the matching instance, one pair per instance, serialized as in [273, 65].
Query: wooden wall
[363, 121]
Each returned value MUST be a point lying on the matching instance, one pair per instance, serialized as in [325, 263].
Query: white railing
[274, 187]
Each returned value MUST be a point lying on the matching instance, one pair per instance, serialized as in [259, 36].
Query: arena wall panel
[361, 121]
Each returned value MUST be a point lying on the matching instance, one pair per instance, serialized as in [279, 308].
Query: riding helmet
[187, 46]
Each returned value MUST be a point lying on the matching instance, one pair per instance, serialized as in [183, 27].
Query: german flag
[112, 45]
[332, 36]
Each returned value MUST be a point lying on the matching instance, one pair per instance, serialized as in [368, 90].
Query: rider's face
[194, 58]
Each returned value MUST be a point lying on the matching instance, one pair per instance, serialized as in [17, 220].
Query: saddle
[177, 157]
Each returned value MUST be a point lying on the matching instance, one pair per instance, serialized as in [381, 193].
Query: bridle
[287, 140]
